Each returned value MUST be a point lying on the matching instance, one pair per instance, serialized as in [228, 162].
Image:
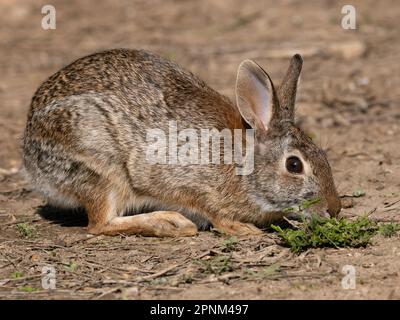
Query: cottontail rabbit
[86, 136]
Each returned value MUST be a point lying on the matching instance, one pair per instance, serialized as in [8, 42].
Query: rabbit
[85, 139]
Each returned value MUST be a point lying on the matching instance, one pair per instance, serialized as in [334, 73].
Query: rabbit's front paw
[169, 224]
[236, 227]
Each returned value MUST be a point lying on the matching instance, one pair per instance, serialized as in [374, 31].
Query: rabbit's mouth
[307, 214]
[307, 209]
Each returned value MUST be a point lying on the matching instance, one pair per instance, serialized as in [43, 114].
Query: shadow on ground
[64, 217]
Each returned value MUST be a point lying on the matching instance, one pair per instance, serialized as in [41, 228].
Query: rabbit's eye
[294, 165]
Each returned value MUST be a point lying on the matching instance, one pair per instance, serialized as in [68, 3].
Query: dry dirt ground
[349, 101]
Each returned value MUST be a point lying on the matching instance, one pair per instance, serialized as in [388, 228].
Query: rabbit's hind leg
[104, 219]
[70, 183]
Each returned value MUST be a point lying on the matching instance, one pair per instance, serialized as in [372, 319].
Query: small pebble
[347, 203]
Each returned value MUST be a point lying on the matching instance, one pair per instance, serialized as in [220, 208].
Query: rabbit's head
[289, 169]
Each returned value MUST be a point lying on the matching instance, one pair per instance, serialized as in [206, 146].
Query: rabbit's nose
[334, 207]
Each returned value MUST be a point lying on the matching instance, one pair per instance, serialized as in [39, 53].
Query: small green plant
[26, 230]
[229, 244]
[323, 232]
[72, 267]
[216, 265]
[16, 275]
[389, 229]
[272, 269]
[306, 204]
[250, 272]
[29, 289]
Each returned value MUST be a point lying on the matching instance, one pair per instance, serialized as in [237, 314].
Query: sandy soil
[349, 100]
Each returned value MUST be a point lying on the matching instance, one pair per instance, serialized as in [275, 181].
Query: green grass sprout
[26, 230]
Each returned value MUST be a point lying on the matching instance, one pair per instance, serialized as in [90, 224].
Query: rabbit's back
[123, 72]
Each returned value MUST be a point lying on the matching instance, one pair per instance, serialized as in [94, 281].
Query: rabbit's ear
[255, 96]
[288, 88]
